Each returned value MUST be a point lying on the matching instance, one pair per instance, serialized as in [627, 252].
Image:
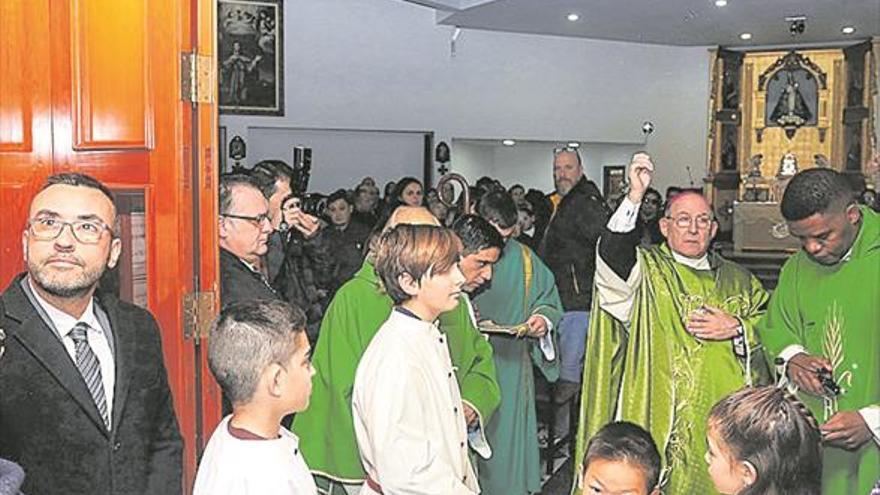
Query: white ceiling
[668, 22]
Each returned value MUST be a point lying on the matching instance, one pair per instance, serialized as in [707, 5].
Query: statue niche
[793, 98]
[791, 85]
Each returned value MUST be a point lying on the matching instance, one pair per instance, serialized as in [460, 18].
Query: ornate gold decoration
[832, 348]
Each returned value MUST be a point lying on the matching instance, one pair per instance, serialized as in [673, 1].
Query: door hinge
[196, 78]
[198, 314]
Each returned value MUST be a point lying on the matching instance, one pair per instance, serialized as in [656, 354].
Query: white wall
[343, 158]
[530, 163]
[386, 65]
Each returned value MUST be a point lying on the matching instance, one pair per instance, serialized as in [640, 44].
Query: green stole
[834, 311]
[659, 376]
[359, 308]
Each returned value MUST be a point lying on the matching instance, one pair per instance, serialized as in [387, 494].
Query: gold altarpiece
[772, 110]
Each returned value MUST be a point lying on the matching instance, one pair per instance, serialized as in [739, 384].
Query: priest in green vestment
[523, 291]
[825, 314]
[359, 308]
[673, 332]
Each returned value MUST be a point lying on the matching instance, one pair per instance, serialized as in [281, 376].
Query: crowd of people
[388, 343]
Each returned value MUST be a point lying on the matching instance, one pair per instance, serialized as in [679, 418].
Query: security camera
[796, 25]
[647, 128]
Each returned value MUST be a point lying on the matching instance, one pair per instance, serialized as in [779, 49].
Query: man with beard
[326, 429]
[82, 370]
[824, 320]
[569, 250]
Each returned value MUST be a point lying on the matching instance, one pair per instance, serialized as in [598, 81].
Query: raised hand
[301, 221]
[641, 172]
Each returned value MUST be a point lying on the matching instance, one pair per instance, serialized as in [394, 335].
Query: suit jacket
[49, 423]
[240, 283]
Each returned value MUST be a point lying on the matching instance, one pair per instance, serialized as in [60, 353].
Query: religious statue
[788, 166]
[791, 107]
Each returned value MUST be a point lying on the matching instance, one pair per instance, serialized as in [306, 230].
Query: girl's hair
[775, 432]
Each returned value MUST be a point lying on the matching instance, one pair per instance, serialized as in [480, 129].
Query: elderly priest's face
[689, 226]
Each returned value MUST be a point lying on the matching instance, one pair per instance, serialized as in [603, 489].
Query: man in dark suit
[245, 227]
[85, 406]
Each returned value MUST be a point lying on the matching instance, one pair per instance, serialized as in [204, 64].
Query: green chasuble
[834, 311]
[655, 374]
[514, 468]
[359, 308]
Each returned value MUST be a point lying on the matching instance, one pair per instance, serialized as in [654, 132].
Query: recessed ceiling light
[720, 3]
[508, 142]
[745, 36]
[848, 30]
[573, 17]
[574, 144]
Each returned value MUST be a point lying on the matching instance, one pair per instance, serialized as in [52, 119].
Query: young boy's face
[298, 379]
[722, 464]
[611, 477]
[440, 291]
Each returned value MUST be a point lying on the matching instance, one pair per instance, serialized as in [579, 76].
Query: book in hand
[489, 326]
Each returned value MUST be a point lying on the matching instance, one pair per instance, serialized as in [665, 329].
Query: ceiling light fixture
[573, 17]
[720, 3]
[574, 144]
[508, 142]
[745, 36]
[848, 30]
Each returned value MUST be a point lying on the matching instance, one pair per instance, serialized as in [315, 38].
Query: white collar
[63, 322]
[701, 263]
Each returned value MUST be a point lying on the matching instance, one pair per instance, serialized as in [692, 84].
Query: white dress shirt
[96, 336]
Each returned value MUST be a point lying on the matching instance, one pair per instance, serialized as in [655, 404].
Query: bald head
[689, 201]
[410, 215]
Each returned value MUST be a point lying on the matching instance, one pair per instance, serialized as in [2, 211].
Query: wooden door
[94, 86]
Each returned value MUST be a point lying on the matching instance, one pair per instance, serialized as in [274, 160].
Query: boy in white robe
[259, 354]
[406, 402]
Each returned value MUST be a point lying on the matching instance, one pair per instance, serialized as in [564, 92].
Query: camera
[312, 203]
[831, 388]
[796, 25]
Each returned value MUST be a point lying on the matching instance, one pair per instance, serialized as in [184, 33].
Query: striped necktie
[88, 365]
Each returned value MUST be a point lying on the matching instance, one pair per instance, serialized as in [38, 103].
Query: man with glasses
[673, 331]
[245, 227]
[569, 249]
[85, 406]
[825, 316]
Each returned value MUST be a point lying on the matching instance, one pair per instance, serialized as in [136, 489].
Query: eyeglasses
[684, 221]
[85, 231]
[257, 220]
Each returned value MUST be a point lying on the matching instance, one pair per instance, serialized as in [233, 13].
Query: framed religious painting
[613, 180]
[250, 56]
